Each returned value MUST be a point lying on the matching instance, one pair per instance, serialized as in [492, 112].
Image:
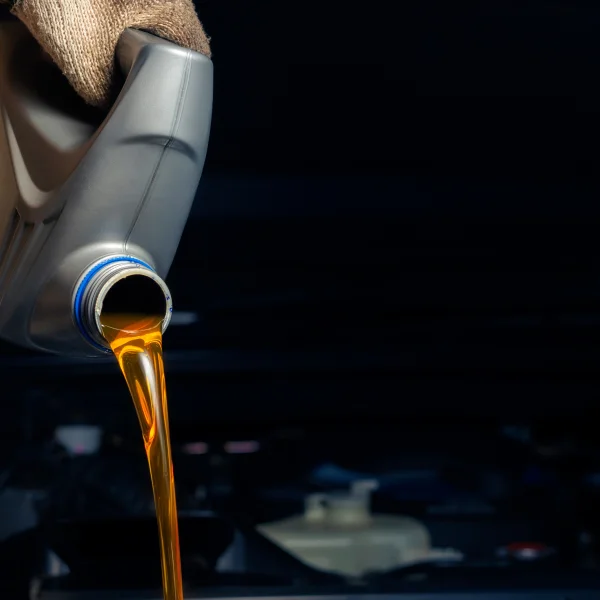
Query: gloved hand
[81, 35]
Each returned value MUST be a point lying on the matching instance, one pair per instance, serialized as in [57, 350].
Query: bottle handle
[49, 129]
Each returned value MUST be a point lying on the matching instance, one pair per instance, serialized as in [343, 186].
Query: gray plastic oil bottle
[88, 200]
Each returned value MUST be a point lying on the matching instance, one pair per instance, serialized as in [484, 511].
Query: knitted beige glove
[81, 35]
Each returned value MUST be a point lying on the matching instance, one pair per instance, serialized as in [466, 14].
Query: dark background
[398, 217]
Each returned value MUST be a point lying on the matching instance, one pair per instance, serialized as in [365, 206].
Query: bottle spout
[119, 285]
[362, 488]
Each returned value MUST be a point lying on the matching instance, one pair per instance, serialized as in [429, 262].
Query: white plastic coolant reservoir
[338, 533]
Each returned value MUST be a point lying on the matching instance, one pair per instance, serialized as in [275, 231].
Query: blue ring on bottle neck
[78, 303]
